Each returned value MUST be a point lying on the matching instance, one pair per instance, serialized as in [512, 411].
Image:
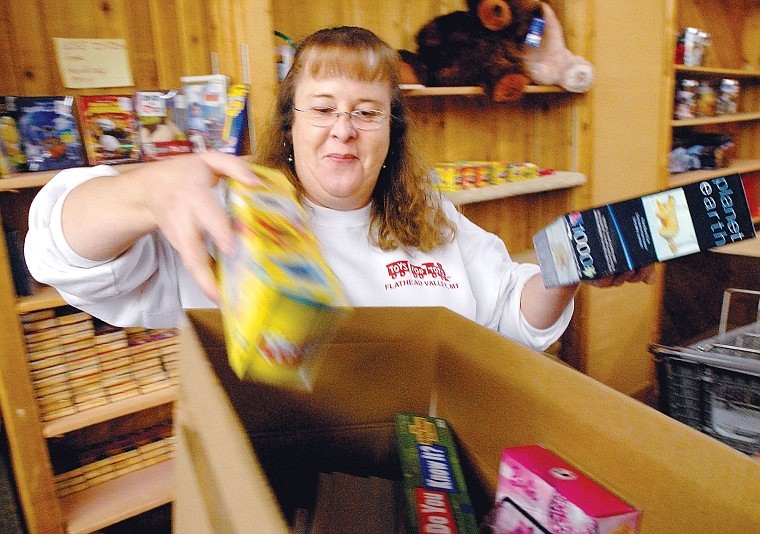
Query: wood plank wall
[170, 38]
[156, 60]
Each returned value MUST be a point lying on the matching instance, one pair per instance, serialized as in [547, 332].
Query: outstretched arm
[103, 217]
[542, 307]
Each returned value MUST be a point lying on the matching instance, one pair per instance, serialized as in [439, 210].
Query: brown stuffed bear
[481, 46]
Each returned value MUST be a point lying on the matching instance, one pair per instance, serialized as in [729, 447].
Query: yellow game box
[278, 296]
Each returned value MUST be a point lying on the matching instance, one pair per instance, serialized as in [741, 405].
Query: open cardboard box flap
[495, 393]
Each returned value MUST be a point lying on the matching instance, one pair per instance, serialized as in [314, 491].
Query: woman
[132, 248]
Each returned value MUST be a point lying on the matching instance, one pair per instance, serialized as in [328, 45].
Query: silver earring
[290, 158]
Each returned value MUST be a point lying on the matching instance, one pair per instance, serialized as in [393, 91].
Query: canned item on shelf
[728, 95]
[465, 174]
[692, 47]
[522, 171]
[445, 176]
[686, 99]
[469, 174]
[706, 100]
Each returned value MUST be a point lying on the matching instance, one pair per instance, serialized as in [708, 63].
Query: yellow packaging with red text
[279, 299]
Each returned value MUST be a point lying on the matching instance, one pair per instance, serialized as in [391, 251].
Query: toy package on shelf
[279, 299]
[49, 133]
[235, 119]
[206, 100]
[435, 491]
[109, 128]
[160, 118]
[12, 157]
[458, 175]
[537, 491]
[622, 236]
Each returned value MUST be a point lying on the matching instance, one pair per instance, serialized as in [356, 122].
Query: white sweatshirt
[148, 286]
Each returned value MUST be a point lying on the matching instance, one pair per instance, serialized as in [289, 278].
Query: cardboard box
[248, 454]
[619, 237]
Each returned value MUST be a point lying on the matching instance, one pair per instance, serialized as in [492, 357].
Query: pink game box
[539, 492]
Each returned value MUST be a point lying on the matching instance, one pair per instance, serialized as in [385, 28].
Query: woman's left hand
[646, 274]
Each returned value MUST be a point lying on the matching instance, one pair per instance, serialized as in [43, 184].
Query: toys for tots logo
[404, 273]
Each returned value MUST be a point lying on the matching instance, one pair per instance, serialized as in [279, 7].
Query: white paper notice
[93, 63]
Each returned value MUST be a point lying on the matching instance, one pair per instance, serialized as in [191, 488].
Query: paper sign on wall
[93, 63]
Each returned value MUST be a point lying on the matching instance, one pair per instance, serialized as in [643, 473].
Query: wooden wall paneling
[165, 38]
[627, 106]
[751, 38]
[10, 83]
[141, 44]
[30, 457]
[193, 52]
[553, 133]
[724, 21]
[516, 219]
[24, 28]
[577, 18]
[228, 31]
[90, 19]
[428, 121]
[396, 21]
[298, 19]
[247, 22]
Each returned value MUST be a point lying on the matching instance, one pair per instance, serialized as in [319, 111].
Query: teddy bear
[551, 63]
[480, 46]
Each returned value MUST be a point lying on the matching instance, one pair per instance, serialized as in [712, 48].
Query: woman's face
[338, 165]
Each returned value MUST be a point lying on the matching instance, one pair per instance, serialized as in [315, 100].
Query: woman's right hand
[105, 216]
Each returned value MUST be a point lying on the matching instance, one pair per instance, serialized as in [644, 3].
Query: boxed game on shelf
[235, 119]
[49, 132]
[109, 128]
[78, 469]
[161, 122]
[12, 157]
[77, 362]
[206, 99]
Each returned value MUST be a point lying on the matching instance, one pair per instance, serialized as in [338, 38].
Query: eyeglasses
[363, 119]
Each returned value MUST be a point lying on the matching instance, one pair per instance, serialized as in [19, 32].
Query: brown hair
[405, 213]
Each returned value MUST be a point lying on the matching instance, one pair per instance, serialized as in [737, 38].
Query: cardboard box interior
[249, 453]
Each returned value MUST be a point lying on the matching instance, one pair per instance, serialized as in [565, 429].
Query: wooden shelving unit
[180, 37]
[46, 297]
[721, 119]
[421, 90]
[558, 180]
[744, 125]
[109, 411]
[121, 498]
[736, 167]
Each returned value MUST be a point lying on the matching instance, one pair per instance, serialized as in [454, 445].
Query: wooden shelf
[717, 72]
[737, 167]
[121, 498]
[747, 247]
[28, 180]
[421, 90]
[719, 119]
[46, 297]
[112, 410]
[558, 180]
